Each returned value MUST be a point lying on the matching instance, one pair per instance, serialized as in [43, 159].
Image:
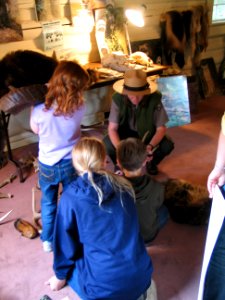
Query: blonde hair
[89, 156]
[66, 88]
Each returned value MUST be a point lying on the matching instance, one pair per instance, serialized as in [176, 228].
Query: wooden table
[152, 70]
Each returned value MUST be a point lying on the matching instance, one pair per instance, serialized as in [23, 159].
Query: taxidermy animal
[187, 203]
[24, 67]
[22, 82]
[24, 74]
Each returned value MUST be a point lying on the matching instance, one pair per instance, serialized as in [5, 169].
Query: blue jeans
[214, 288]
[50, 178]
[163, 216]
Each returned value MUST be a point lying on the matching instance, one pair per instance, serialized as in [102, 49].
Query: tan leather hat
[135, 82]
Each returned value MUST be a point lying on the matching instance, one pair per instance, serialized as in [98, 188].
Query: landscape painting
[175, 99]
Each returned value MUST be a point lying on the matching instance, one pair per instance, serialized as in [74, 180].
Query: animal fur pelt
[187, 203]
[10, 29]
[25, 67]
[173, 37]
[48, 9]
[200, 31]
[21, 69]
[24, 74]
[182, 30]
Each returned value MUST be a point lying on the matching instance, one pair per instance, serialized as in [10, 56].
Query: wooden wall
[151, 30]
[74, 37]
[32, 37]
[32, 31]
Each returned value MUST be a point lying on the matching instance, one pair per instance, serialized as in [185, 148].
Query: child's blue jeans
[50, 178]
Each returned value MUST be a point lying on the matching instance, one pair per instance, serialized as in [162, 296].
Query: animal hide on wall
[184, 30]
[48, 10]
[10, 30]
[173, 37]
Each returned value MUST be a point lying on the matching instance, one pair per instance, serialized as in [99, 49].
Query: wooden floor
[177, 251]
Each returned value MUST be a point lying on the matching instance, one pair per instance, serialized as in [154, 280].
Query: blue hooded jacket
[102, 243]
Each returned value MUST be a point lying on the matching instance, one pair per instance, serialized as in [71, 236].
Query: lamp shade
[135, 16]
[83, 20]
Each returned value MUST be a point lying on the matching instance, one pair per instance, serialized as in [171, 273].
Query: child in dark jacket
[152, 214]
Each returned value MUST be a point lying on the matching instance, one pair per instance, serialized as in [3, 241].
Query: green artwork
[115, 34]
[175, 99]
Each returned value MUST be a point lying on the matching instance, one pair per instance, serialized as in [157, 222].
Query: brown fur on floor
[187, 203]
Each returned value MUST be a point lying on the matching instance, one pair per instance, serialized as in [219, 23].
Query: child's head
[89, 155]
[66, 87]
[131, 154]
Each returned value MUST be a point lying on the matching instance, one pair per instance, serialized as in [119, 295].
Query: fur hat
[135, 82]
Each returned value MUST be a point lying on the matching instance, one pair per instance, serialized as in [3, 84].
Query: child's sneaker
[47, 246]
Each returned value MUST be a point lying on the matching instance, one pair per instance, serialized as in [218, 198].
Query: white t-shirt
[57, 134]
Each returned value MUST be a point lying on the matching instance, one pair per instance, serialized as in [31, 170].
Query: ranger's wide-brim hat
[135, 82]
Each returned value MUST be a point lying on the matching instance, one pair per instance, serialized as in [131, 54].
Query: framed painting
[111, 34]
[175, 99]
[116, 34]
[207, 77]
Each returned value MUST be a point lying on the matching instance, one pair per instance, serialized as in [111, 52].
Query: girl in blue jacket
[97, 245]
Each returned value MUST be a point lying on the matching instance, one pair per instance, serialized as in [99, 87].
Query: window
[218, 15]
